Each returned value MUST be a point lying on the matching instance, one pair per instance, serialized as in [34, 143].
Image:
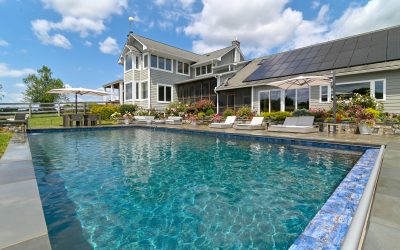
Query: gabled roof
[213, 55]
[364, 49]
[165, 48]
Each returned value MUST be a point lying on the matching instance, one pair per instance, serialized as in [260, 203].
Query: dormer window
[203, 70]
[128, 61]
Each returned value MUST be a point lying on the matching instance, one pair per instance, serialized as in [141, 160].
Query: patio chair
[301, 124]
[174, 120]
[77, 118]
[92, 120]
[229, 121]
[256, 123]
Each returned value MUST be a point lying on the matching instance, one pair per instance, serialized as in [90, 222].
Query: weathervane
[131, 20]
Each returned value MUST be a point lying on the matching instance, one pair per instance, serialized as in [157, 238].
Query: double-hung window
[128, 91]
[128, 61]
[141, 90]
[203, 70]
[162, 63]
[164, 93]
[324, 93]
[182, 68]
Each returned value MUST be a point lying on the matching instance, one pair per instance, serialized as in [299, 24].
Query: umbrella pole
[76, 103]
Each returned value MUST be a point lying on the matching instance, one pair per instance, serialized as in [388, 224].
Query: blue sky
[80, 40]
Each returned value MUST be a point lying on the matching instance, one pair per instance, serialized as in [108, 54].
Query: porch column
[217, 102]
[112, 92]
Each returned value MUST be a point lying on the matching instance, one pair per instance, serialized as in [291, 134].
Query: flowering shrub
[217, 118]
[116, 116]
[318, 113]
[204, 105]
[128, 115]
[176, 109]
[364, 101]
[228, 112]
[141, 112]
[245, 112]
[276, 116]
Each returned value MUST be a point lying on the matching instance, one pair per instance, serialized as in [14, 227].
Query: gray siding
[162, 77]
[392, 102]
[228, 58]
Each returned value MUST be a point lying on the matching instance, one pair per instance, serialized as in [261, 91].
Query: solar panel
[379, 46]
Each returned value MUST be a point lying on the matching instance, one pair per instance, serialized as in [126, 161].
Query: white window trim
[259, 99]
[176, 67]
[165, 64]
[140, 91]
[283, 95]
[125, 91]
[309, 97]
[329, 93]
[165, 93]
[129, 70]
[148, 61]
[195, 71]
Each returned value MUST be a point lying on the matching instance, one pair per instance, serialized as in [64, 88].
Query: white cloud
[12, 97]
[315, 4]
[3, 43]
[5, 71]
[283, 27]
[83, 17]
[88, 43]
[109, 46]
[20, 85]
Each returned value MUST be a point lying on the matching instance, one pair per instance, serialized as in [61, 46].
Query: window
[128, 91]
[153, 62]
[290, 100]
[346, 91]
[230, 101]
[137, 91]
[324, 93]
[275, 97]
[161, 63]
[203, 70]
[379, 90]
[303, 98]
[164, 93]
[264, 101]
[137, 62]
[144, 90]
[128, 62]
[145, 61]
[168, 64]
[182, 68]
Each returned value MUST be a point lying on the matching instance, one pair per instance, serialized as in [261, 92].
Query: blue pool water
[144, 189]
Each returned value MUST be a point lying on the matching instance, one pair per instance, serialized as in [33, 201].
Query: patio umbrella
[308, 81]
[76, 92]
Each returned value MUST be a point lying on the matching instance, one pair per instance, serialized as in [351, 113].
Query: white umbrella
[76, 92]
[308, 81]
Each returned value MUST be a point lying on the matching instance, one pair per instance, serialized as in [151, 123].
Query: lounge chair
[19, 119]
[144, 119]
[174, 120]
[256, 123]
[301, 124]
[229, 121]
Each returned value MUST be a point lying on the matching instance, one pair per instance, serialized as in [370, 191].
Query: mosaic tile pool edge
[262, 138]
[328, 228]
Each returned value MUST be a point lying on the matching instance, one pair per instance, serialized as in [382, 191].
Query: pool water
[143, 189]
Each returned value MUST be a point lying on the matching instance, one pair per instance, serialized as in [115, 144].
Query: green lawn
[52, 121]
[4, 139]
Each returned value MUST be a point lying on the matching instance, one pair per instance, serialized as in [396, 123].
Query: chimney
[236, 43]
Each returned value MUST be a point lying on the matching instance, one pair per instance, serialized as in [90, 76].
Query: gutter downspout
[216, 92]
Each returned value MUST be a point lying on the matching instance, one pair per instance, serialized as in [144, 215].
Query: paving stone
[39, 243]
[14, 171]
[380, 237]
[386, 211]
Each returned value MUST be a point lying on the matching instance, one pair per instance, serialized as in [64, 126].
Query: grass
[4, 139]
[52, 121]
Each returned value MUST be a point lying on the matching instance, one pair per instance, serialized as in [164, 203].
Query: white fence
[59, 108]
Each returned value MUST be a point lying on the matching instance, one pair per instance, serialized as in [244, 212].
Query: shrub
[375, 113]
[176, 108]
[201, 115]
[210, 112]
[154, 113]
[142, 112]
[105, 111]
[319, 114]
[228, 112]
[244, 112]
[276, 116]
[125, 108]
[204, 105]
[301, 112]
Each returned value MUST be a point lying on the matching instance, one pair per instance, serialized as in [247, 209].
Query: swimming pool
[138, 188]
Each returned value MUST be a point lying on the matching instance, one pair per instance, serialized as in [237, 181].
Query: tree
[37, 86]
[1, 91]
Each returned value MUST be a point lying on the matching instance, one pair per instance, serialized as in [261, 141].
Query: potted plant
[364, 120]
[193, 120]
[116, 116]
[127, 117]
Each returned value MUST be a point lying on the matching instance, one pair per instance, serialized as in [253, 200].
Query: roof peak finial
[131, 20]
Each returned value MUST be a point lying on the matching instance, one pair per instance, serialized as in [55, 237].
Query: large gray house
[156, 74]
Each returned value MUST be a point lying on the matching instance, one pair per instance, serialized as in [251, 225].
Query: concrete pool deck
[22, 221]
[384, 222]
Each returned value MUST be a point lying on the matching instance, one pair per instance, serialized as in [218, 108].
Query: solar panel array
[374, 47]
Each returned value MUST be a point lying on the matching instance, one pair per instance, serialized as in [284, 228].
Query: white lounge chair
[301, 124]
[256, 123]
[174, 120]
[144, 119]
[229, 121]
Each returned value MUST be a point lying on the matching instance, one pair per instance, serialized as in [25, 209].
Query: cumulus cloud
[20, 85]
[88, 43]
[3, 43]
[83, 17]
[5, 71]
[109, 46]
[283, 28]
[12, 97]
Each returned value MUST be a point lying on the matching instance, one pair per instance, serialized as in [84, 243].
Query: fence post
[30, 109]
[59, 109]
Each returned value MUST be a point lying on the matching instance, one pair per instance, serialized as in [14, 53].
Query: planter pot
[120, 121]
[126, 121]
[364, 129]
[193, 123]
